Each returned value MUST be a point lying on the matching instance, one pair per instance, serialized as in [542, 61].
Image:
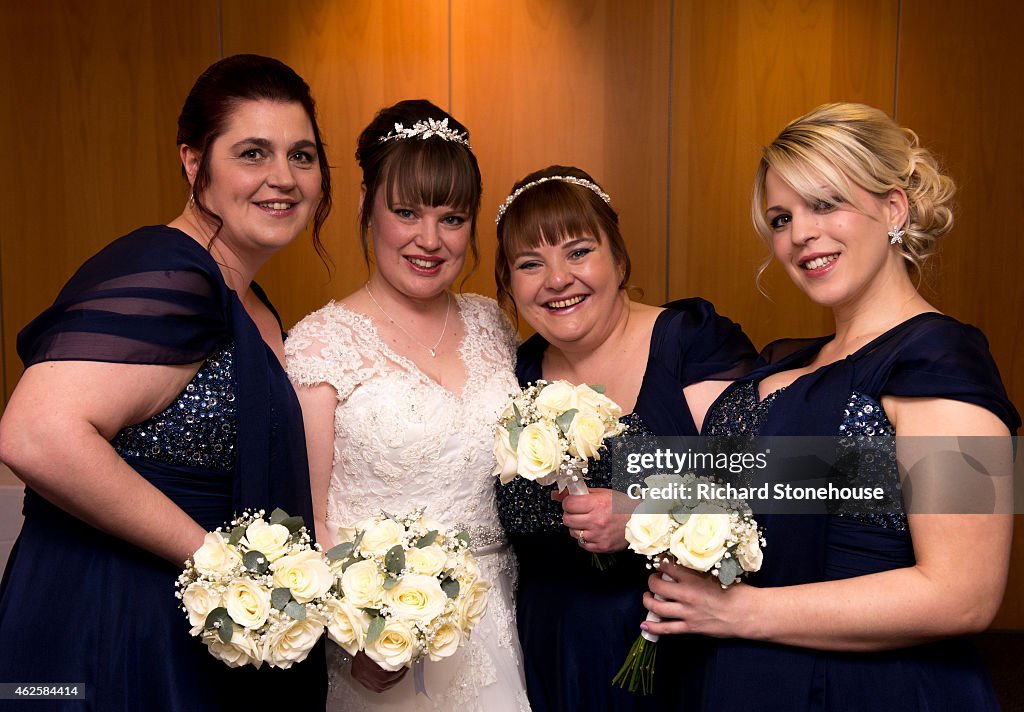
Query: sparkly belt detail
[484, 540]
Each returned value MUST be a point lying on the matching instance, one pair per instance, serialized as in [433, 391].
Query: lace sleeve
[321, 349]
[499, 338]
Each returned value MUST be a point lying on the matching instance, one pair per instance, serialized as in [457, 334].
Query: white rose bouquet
[549, 429]
[410, 590]
[716, 536]
[259, 592]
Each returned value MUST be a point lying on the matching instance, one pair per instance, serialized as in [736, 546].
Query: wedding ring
[580, 539]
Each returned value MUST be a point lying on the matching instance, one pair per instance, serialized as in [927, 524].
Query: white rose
[291, 642]
[589, 399]
[393, 649]
[467, 570]
[473, 604]
[248, 603]
[271, 540]
[363, 584]
[539, 451]
[429, 560]
[242, 650]
[199, 601]
[306, 574]
[556, 398]
[346, 624]
[381, 536]
[648, 534]
[445, 641]
[506, 462]
[748, 553]
[586, 432]
[416, 597]
[700, 543]
[216, 557]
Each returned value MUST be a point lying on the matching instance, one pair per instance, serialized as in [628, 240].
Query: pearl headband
[533, 184]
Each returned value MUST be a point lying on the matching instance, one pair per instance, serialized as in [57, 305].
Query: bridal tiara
[534, 183]
[426, 129]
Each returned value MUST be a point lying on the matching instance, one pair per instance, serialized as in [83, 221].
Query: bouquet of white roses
[717, 536]
[549, 429]
[410, 590]
[259, 592]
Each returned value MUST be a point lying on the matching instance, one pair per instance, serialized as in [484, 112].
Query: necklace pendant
[433, 354]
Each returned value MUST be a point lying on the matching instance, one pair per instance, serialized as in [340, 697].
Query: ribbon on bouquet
[566, 478]
[419, 678]
[653, 617]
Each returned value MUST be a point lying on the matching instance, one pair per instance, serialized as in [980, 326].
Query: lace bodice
[401, 438]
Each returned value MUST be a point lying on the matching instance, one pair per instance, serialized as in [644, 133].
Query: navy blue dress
[576, 623]
[929, 355]
[79, 606]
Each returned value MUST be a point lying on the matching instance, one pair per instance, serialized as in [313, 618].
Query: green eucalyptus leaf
[565, 419]
[349, 562]
[376, 626]
[728, 571]
[390, 582]
[518, 415]
[595, 387]
[680, 514]
[256, 561]
[278, 516]
[280, 597]
[451, 587]
[514, 431]
[293, 524]
[220, 621]
[372, 612]
[359, 538]
[296, 610]
[394, 560]
[236, 534]
[341, 551]
[427, 539]
[463, 537]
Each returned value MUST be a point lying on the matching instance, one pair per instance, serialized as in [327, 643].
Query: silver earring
[896, 235]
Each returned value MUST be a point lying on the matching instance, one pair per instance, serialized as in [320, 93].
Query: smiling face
[568, 292]
[264, 175]
[419, 250]
[835, 251]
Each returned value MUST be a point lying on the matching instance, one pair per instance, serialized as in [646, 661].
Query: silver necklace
[444, 328]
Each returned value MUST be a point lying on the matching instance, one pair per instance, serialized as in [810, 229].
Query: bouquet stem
[637, 672]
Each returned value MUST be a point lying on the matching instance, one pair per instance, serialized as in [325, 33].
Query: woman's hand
[372, 676]
[597, 519]
[694, 602]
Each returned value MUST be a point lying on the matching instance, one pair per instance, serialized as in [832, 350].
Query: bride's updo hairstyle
[547, 207]
[418, 154]
[837, 146]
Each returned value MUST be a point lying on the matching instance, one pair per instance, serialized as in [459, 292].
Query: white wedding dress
[402, 441]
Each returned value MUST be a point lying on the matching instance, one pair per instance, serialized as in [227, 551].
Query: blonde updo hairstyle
[836, 146]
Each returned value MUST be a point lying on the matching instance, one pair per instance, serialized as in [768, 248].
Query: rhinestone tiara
[534, 183]
[426, 129]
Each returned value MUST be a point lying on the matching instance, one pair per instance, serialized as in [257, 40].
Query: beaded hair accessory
[426, 129]
[534, 183]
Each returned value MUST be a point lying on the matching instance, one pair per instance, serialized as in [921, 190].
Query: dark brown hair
[208, 108]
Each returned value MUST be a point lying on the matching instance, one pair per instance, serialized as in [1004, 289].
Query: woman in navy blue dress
[860, 608]
[562, 264]
[154, 407]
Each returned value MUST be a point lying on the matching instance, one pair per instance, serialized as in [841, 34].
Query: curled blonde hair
[847, 144]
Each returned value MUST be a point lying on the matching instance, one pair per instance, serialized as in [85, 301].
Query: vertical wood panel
[960, 90]
[91, 94]
[742, 70]
[573, 83]
[357, 56]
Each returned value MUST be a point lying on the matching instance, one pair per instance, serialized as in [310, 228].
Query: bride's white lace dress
[402, 441]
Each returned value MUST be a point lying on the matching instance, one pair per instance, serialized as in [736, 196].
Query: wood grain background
[665, 102]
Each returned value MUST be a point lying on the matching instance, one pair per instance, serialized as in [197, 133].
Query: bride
[400, 384]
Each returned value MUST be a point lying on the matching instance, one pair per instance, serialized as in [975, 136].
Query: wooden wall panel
[741, 71]
[91, 94]
[573, 83]
[960, 90]
[357, 56]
